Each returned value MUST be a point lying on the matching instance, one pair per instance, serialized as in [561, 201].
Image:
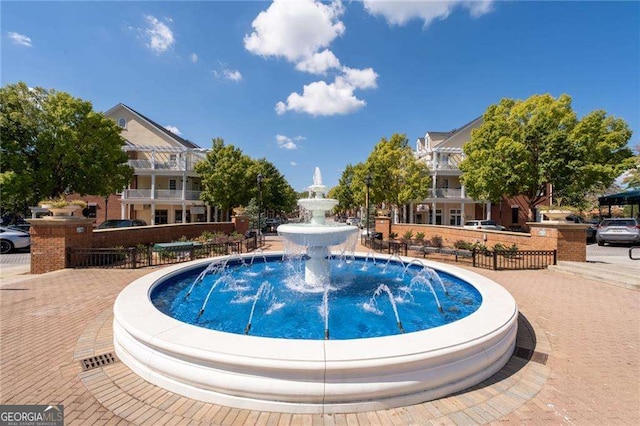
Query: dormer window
[122, 123]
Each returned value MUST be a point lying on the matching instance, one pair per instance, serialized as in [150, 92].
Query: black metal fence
[488, 259]
[513, 259]
[141, 256]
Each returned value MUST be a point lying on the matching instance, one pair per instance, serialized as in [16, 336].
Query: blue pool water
[271, 295]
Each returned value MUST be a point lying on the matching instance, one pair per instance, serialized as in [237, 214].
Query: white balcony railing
[445, 193]
[160, 194]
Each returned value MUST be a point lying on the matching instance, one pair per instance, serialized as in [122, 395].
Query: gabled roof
[462, 135]
[182, 141]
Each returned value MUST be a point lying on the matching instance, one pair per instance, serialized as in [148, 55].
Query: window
[122, 123]
[161, 217]
[455, 217]
[172, 184]
[515, 214]
[438, 217]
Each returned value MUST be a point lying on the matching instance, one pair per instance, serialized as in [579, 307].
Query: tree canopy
[632, 179]
[54, 144]
[397, 177]
[522, 146]
[229, 179]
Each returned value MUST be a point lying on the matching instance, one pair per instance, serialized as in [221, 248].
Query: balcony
[148, 165]
[445, 193]
[160, 194]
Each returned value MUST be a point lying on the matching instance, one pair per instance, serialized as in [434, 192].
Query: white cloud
[399, 12]
[173, 129]
[20, 39]
[295, 29]
[294, 164]
[285, 142]
[233, 75]
[320, 98]
[228, 74]
[301, 32]
[193, 57]
[159, 36]
[360, 79]
[319, 63]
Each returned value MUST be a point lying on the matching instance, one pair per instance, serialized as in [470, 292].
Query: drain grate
[528, 354]
[98, 361]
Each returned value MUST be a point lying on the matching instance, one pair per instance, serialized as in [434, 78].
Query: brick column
[383, 224]
[51, 237]
[569, 239]
[240, 223]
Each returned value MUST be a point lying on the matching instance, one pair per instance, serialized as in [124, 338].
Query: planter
[62, 211]
[557, 215]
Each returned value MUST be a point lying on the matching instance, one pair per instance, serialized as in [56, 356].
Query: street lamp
[259, 202]
[367, 182]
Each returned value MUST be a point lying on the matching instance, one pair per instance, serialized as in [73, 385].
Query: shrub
[406, 237]
[420, 237]
[205, 237]
[436, 241]
[463, 245]
[393, 236]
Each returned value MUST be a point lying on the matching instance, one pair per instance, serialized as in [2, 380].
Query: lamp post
[259, 202]
[367, 182]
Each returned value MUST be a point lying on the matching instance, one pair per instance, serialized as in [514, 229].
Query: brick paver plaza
[578, 362]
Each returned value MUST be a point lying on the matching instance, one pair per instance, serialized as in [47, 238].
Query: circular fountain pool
[362, 342]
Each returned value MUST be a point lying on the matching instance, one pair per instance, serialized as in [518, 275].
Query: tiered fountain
[188, 328]
[317, 236]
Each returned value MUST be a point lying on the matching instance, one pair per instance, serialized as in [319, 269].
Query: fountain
[317, 236]
[314, 333]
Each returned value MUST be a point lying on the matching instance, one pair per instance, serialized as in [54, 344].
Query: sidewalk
[582, 366]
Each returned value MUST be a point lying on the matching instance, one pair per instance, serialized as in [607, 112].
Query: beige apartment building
[165, 187]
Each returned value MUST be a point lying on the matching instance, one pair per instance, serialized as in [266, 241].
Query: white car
[483, 224]
[11, 239]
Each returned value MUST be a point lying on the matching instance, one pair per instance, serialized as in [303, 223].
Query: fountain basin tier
[310, 235]
[313, 376]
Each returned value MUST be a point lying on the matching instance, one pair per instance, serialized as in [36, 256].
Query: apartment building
[165, 187]
[448, 202]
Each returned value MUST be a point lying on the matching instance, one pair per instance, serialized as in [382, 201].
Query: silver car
[619, 230]
[11, 239]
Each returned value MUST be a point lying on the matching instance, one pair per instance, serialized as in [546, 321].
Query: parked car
[11, 239]
[353, 221]
[618, 230]
[483, 224]
[121, 223]
[592, 229]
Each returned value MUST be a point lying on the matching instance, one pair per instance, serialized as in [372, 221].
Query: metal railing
[161, 194]
[513, 259]
[141, 256]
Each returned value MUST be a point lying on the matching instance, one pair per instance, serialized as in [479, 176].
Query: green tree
[54, 144]
[277, 193]
[632, 179]
[397, 176]
[225, 174]
[522, 146]
[345, 192]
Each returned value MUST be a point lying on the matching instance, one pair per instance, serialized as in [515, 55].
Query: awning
[631, 197]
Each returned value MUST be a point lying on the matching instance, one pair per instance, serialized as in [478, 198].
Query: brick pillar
[383, 224]
[569, 239]
[240, 223]
[51, 237]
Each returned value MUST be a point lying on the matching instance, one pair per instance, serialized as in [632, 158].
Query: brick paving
[589, 330]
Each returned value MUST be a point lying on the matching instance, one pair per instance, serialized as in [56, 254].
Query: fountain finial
[317, 177]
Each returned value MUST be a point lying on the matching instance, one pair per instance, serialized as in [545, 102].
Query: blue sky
[308, 84]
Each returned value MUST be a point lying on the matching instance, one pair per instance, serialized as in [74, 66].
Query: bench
[425, 250]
